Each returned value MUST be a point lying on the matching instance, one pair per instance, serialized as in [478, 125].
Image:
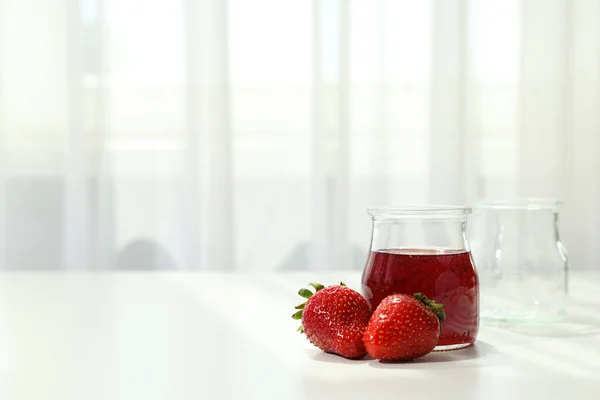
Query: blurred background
[251, 135]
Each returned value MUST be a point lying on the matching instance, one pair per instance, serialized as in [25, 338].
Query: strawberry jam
[446, 276]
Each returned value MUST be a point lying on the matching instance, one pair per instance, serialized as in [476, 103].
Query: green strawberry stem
[437, 308]
[307, 294]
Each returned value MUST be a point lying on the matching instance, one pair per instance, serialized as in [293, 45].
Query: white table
[210, 336]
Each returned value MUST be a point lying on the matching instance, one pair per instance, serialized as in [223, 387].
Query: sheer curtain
[252, 134]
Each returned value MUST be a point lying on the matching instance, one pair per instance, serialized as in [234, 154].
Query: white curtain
[252, 134]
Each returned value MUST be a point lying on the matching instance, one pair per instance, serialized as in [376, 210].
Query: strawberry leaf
[305, 293]
[438, 309]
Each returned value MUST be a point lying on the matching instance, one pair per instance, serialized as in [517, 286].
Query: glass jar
[424, 249]
[521, 260]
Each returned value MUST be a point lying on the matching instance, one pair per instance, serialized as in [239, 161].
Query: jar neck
[420, 234]
[526, 228]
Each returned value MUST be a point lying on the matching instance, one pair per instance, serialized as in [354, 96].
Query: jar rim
[422, 211]
[527, 204]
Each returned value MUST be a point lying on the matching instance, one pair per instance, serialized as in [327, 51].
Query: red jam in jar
[446, 276]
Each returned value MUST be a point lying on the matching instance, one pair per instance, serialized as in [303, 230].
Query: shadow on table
[436, 375]
[478, 350]
[321, 356]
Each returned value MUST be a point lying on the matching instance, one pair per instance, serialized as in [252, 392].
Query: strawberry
[404, 327]
[334, 319]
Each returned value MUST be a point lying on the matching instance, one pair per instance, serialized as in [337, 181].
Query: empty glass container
[521, 260]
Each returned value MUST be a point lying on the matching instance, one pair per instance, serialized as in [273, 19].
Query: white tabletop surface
[230, 336]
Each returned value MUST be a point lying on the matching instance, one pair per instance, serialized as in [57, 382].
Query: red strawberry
[334, 319]
[404, 327]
